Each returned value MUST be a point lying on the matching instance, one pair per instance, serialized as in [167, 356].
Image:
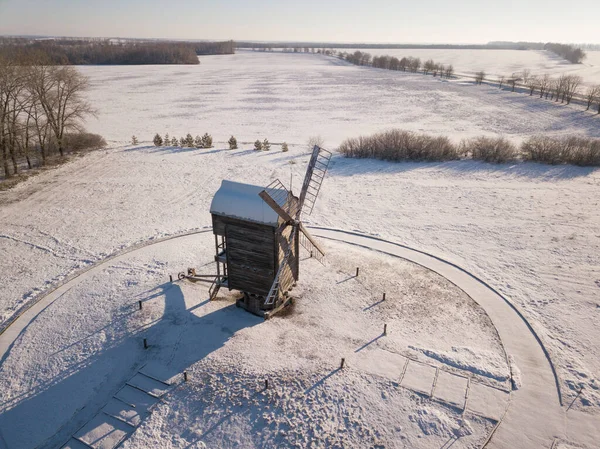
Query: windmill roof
[241, 201]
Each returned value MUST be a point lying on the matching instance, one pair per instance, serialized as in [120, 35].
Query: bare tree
[479, 77]
[404, 64]
[559, 88]
[502, 81]
[544, 84]
[572, 87]
[532, 84]
[414, 64]
[59, 91]
[526, 75]
[592, 95]
[449, 71]
[428, 66]
[41, 128]
[12, 87]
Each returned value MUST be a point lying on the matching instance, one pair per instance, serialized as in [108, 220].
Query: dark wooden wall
[254, 252]
[250, 256]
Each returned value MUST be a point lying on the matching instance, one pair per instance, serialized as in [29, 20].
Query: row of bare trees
[562, 88]
[405, 64]
[39, 105]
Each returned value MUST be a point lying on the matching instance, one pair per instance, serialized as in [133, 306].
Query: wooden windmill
[258, 232]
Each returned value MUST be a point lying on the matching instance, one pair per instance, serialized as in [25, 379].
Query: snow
[237, 200]
[84, 347]
[290, 97]
[530, 231]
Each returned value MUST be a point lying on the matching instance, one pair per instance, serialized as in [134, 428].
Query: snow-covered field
[531, 231]
[288, 97]
[497, 63]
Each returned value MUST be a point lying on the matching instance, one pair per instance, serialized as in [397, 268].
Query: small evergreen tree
[206, 141]
[182, 142]
[189, 140]
[198, 142]
[232, 143]
[284, 147]
[134, 140]
[158, 140]
[174, 141]
[258, 145]
[167, 139]
[266, 145]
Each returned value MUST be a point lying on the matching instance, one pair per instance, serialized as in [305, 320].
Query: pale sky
[375, 21]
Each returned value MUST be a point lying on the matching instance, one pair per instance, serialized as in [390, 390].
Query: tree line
[110, 52]
[41, 111]
[563, 88]
[569, 52]
[404, 64]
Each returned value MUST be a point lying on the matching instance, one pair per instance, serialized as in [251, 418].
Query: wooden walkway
[125, 411]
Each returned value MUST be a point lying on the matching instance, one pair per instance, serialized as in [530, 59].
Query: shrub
[232, 143]
[189, 141]
[583, 151]
[399, 145]
[266, 145]
[314, 140]
[489, 149]
[543, 149]
[198, 142]
[207, 141]
[182, 142]
[574, 150]
[83, 141]
[284, 147]
[158, 141]
[258, 145]
[174, 142]
[134, 140]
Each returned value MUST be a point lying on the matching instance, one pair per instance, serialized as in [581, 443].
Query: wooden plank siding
[250, 257]
[254, 252]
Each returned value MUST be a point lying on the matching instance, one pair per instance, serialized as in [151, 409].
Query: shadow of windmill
[101, 399]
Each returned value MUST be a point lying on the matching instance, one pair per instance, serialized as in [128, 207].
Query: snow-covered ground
[531, 231]
[86, 344]
[497, 63]
[288, 97]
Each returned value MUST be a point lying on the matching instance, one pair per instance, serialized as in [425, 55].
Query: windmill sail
[315, 173]
[280, 200]
[309, 243]
[290, 209]
[284, 270]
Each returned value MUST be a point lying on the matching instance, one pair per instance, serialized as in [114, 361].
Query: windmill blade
[276, 207]
[315, 173]
[275, 287]
[280, 200]
[320, 252]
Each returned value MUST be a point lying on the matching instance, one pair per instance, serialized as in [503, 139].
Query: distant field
[291, 96]
[501, 62]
